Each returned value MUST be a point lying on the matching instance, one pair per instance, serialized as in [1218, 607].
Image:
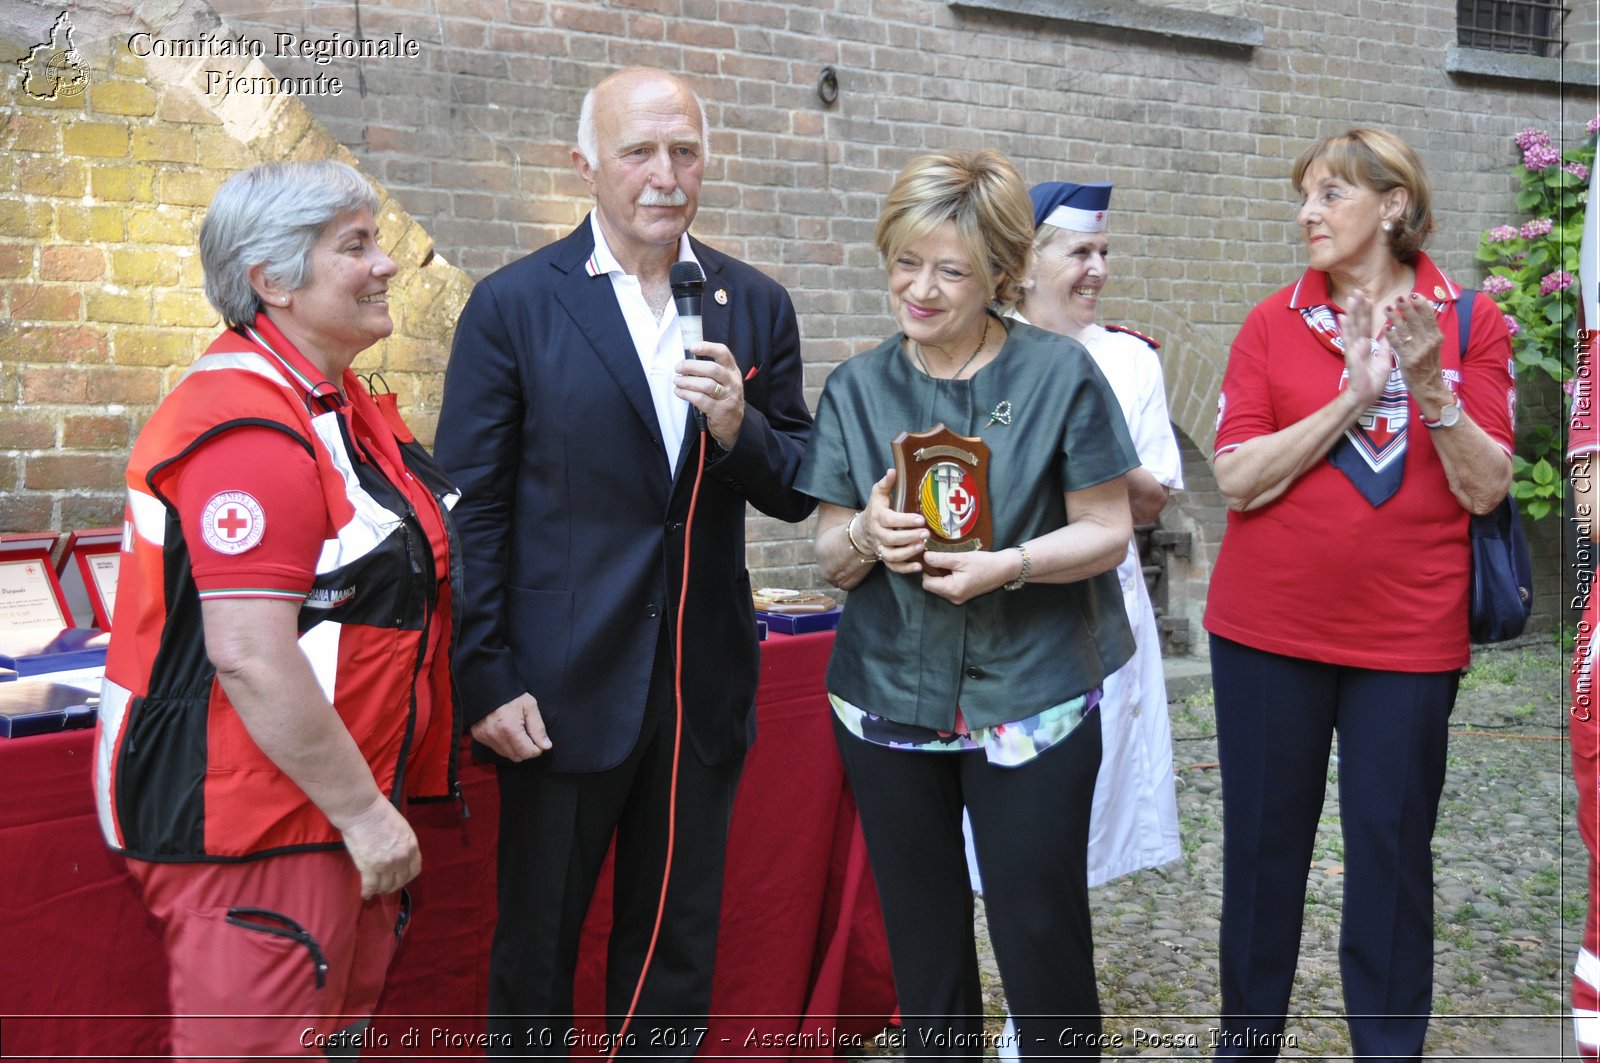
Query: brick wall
[472, 136]
[101, 198]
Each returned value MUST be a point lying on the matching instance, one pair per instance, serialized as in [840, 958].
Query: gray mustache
[651, 197]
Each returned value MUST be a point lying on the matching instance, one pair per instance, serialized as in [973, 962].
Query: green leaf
[1543, 474]
[1538, 509]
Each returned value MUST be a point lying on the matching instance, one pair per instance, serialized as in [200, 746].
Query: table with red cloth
[802, 967]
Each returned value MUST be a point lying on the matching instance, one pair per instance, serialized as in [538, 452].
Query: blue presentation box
[44, 708]
[800, 623]
[76, 647]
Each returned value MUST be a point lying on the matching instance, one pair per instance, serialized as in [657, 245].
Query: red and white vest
[177, 777]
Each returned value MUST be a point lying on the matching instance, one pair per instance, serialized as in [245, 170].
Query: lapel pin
[721, 296]
[1001, 414]
[1439, 293]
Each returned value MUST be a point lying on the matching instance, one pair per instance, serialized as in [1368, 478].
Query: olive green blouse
[911, 656]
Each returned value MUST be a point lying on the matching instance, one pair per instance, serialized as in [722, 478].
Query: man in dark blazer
[569, 424]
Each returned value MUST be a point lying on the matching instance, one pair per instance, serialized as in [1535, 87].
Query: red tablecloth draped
[802, 967]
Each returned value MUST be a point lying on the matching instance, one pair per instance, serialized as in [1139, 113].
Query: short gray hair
[589, 141]
[271, 215]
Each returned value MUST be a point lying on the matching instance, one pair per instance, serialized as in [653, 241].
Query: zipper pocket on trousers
[265, 921]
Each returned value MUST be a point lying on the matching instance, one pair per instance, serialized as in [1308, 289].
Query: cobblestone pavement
[1509, 902]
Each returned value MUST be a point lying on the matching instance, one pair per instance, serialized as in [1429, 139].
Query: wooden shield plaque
[945, 477]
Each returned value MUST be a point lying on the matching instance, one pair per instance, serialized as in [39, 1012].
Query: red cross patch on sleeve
[232, 522]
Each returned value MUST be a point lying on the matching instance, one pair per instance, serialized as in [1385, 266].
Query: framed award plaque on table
[37, 634]
[30, 594]
[87, 566]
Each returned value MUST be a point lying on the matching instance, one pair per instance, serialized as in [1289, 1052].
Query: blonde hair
[984, 195]
[1382, 162]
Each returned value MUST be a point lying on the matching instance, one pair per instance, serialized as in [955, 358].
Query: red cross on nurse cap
[1081, 208]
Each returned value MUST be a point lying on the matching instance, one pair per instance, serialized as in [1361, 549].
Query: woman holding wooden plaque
[967, 669]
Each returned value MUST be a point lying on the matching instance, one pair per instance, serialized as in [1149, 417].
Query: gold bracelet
[862, 555]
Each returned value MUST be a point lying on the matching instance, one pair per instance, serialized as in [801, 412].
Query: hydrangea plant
[1532, 277]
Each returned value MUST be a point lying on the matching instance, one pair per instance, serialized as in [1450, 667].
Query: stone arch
[101, 196]
[1193, 357]
[1182, 550]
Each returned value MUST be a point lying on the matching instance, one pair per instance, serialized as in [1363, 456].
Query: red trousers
[270, 956]
[1584, 727]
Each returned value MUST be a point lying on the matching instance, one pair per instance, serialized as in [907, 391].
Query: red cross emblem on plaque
[233, 522]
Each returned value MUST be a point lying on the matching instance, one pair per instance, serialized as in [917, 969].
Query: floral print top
[1006, 745]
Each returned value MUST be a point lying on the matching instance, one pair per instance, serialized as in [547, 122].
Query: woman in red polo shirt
[1353, 439]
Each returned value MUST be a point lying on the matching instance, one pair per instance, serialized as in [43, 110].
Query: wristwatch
[1449, 417]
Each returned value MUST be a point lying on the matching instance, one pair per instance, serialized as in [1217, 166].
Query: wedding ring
[718, 391]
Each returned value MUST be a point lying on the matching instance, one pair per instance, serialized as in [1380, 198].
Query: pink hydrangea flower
[1594, 125]
[1578, 170]
[1498, 285]
[1540, 157]
[1536, 228]
[1559, 281]
[1511, 324]
[1532, 137]
[1502, 233]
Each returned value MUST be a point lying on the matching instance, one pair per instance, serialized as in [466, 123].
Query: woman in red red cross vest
[1583, 445]
[278, 683]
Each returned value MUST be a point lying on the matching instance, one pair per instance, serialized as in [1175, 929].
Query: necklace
[916, 351]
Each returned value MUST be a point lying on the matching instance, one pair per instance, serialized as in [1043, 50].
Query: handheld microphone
[688, 285]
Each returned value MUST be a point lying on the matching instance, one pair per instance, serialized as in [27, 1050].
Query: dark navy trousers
[1276, 718]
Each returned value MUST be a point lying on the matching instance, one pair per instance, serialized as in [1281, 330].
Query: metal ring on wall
[828, 86]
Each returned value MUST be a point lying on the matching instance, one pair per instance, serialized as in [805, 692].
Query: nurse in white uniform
[1134, 820]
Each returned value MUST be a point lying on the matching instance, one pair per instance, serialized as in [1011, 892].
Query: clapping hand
[1367, 361]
